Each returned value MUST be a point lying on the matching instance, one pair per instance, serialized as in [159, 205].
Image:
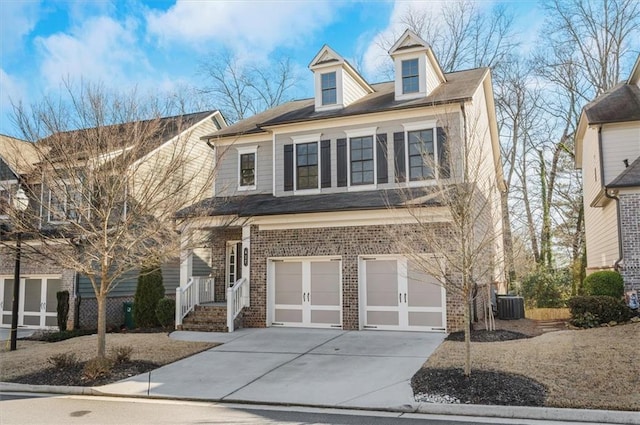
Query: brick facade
[218, 244]
[33, 265]
[346, 242]
[629, 205]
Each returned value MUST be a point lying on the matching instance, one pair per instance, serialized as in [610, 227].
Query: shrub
[546, 288]
[98, 367]
[149, 291]
[604, 283]
[64, 360]
[166, 312]
[121, 353]
[598, 308]
[62, 309]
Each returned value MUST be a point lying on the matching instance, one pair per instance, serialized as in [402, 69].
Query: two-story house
[307, 191]
[607, 150]
[60, 203]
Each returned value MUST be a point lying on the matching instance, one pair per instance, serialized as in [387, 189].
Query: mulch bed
[482, 387]
[73, 375]
[487, 336]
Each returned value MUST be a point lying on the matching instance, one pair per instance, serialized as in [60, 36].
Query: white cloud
[248, 28]
[376, 57]
[11, 90]
[17, 20]
[101, 48]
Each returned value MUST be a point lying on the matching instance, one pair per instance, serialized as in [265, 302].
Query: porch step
[206, 318]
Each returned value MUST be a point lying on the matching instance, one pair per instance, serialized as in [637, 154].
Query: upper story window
[328, 87]
[247, 168]
[63, 204]
[362, 160]
[410, 76]
[307, 166]
[421, 154]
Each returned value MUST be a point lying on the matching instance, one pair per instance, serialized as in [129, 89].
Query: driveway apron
[287, 365]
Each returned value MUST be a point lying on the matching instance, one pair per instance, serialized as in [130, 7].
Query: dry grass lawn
[32, 356]
[593, 368]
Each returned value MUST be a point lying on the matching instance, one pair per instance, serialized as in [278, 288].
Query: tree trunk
[507, 240]
[102, 324]
[467, 338]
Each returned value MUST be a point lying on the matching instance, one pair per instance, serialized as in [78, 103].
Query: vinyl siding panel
[352, 91]
[335, 133]
[5, 171]
[619, 142]
[227, 169]
[601, 235]
[127, 284]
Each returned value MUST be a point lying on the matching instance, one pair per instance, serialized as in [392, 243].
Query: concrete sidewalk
[300, 366]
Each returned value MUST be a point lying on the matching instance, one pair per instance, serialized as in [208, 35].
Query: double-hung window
[421, 154]
[307, 165]
[329, 90]
[410, 76]
[247, 168]
[362, 160]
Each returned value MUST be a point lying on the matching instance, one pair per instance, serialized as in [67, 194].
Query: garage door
[397, 296]
[37, 301]
[306, 292]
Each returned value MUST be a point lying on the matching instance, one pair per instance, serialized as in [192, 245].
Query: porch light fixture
[20, 204]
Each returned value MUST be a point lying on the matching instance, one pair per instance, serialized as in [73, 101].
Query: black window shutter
[381, 154]
[342, 162]
[288, 167]
[443, 154]
[325, 159]
[398, 147]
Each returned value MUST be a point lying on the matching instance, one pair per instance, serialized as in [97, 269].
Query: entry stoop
[206, 318]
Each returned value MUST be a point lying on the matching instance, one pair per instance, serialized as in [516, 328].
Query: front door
[396, 295]
[306, 292]
[234, 262]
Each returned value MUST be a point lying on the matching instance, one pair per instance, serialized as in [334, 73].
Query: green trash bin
[128, 315]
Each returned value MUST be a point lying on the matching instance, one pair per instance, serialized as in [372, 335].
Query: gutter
[616, 264]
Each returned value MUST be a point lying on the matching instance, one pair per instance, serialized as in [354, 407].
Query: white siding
[432, 77]
[600, 222]
[352, 91]
[619, 142]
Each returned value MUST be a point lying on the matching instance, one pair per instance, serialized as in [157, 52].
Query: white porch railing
[237, 299]
[197, 290]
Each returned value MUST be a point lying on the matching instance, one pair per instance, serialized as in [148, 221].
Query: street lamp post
[20, 204]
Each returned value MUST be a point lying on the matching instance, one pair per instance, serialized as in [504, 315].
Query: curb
[489, 411]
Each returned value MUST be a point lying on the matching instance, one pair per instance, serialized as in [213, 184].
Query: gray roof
[630, 177]
[620, 104]
[459, 86]
[267, 204]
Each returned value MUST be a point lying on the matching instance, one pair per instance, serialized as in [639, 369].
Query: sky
[158, 45]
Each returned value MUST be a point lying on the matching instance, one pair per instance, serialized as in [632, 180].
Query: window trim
[355, 133]
[421, 126]
[334, 88]
[301, 140]
[243, 151]
[416, 76]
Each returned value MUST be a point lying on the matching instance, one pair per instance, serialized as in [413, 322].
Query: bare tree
[109, 177]
[241, 90]
[465, 255]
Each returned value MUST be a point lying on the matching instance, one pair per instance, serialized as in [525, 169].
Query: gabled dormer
[337, 83]
[417, 72]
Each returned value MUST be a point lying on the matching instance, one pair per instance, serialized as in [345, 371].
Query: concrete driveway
[308, 366]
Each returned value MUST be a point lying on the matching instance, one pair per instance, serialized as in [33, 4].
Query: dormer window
[410, 76]
[329, 94]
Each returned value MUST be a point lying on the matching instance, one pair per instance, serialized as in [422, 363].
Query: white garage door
[37, 301]
[306, 292]
[396, 296]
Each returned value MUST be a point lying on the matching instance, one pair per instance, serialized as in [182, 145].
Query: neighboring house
[298, 224]
[41, 280]
[608, 153]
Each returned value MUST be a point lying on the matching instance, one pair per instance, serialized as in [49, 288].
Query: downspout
[616, 265]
